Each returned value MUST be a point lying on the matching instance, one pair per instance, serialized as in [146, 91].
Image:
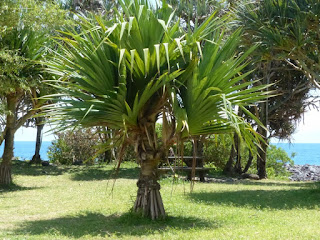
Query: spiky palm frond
[126, 73]
[217, 87]
[117, 68]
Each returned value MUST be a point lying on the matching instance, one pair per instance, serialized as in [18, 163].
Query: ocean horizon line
[31, 141]
[270, 142]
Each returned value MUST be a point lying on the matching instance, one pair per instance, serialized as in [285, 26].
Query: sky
[308, 131]
[30, 134]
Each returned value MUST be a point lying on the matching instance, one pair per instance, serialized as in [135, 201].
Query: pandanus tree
[288, 33]
[128, 73]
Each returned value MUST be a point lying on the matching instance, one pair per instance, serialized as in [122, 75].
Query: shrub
[130, 154]
[216, 151]
[75, 147]
[276, 159]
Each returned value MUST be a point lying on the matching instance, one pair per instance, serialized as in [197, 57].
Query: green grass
[77, 203]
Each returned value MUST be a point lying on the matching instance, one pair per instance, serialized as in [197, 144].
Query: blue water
[305, 153]
[25, 150]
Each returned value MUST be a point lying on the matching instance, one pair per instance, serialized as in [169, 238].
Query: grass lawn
[77, 203]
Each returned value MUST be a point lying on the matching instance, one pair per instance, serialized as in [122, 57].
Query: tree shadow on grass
[14, 187]
[307, 198]
[233, 181]
[78, 173]
[96, 224]
[93, 174]
[25, 169]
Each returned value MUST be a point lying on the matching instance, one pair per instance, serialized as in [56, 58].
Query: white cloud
[308, 130]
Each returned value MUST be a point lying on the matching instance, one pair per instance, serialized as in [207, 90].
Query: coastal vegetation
[78, 147]
[138, 80]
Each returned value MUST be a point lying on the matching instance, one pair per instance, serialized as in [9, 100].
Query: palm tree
[128, 73]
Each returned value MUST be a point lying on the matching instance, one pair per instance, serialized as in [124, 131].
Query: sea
[304, 153]
[24, 150]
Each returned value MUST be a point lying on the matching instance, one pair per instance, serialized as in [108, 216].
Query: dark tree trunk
[228, 169]
[237, 166]
[248, 165]
[234, 163]
[107, 156]
[262, 160]
[262, 153]
[36, 159]
[5, 166]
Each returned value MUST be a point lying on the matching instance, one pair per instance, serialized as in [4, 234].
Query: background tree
[288, 33]
[21, 48]
[194, 13]
[105, 7]
[38, 121]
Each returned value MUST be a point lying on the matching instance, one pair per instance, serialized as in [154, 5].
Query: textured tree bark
[149, 154]
[5, 166]
[149, 201]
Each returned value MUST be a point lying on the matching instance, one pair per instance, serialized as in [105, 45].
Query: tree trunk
[235, 158]
[228, 169]
[248, 165]
[262, 160]
[237, 166]
[107, 156]
[149, 201]
[149, 154]
[5, 166]
[263, 114]
[262, 153]
[36, 159]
